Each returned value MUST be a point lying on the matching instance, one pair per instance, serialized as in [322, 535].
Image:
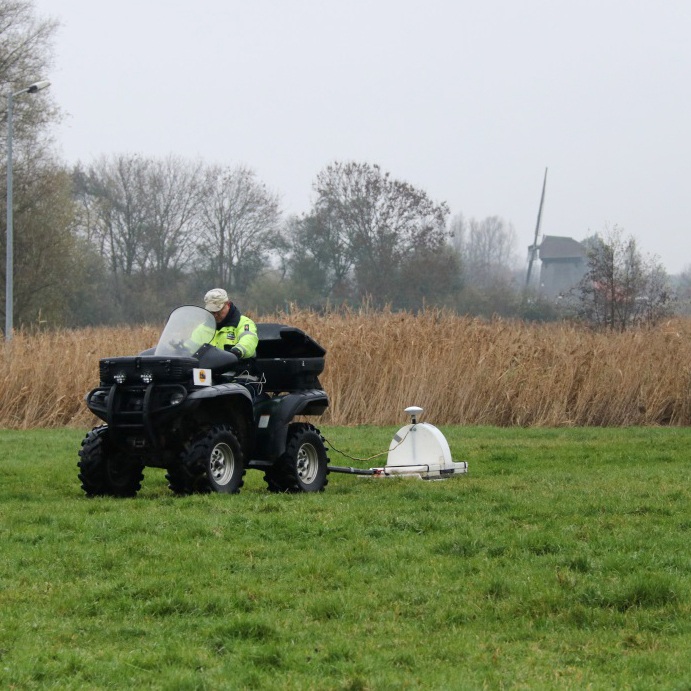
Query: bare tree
[25, 57]
[458, 233]
[621, 286]
[174, 191]
[487, 250]
[683, 290]
[240, 226]
[115, 201]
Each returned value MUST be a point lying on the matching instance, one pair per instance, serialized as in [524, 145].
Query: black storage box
[288, 358]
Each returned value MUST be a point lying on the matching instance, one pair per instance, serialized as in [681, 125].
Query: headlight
[177, 398]
[147, 377]
[120, 377]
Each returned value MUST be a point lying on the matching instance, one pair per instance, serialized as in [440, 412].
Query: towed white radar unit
[420, 450]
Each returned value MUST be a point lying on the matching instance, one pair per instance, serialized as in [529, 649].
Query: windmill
[533, 248]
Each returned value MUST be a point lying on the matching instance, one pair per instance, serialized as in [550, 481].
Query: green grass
[561, 561]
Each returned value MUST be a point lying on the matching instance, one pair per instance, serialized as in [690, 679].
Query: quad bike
[205, 416]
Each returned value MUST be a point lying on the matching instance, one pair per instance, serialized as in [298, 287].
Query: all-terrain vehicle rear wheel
[303, 467]
[105, 470]
[214, 462]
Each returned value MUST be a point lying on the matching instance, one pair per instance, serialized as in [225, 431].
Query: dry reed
[461, 370]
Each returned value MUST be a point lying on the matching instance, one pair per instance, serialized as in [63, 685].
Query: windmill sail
[533, 247]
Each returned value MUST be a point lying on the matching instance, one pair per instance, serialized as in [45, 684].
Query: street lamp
[9, 248]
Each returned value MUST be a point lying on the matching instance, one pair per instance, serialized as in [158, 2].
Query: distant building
[563, 261]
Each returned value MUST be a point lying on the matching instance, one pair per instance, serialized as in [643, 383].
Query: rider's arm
[247, 338]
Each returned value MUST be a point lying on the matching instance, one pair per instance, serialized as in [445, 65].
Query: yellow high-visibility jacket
[235, 331]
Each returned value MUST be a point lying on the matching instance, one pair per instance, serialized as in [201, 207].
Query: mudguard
[273, 416]
[229, 389]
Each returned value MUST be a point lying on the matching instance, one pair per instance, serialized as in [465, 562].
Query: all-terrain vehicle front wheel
[105, 470]
[213, 462]
[179, 480]
[303, 467]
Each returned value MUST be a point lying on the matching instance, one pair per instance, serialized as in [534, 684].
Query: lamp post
[9, 247]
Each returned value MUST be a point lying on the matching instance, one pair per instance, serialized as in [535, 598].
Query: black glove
[237, 352]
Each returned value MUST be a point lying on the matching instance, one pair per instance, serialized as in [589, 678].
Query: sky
[469, 101]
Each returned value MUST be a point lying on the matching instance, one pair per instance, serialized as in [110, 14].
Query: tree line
[126, 237]
[167, 229]
[141, 234]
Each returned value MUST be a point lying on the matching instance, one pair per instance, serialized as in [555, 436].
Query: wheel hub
[307, 463]
[221, 463]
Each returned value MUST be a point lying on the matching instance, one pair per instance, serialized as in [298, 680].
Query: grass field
[561, 561]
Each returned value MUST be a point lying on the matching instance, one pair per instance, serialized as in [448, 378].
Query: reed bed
[460, 370]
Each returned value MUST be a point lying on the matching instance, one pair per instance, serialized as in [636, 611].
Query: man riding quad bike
[205, 416]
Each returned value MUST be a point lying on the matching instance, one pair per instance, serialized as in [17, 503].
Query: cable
[260, 384]
[376, 455]
[252, 380]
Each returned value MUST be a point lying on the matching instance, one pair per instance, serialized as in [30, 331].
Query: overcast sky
[470, 101]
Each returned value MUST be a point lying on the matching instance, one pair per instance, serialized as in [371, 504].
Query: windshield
[187, 329]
